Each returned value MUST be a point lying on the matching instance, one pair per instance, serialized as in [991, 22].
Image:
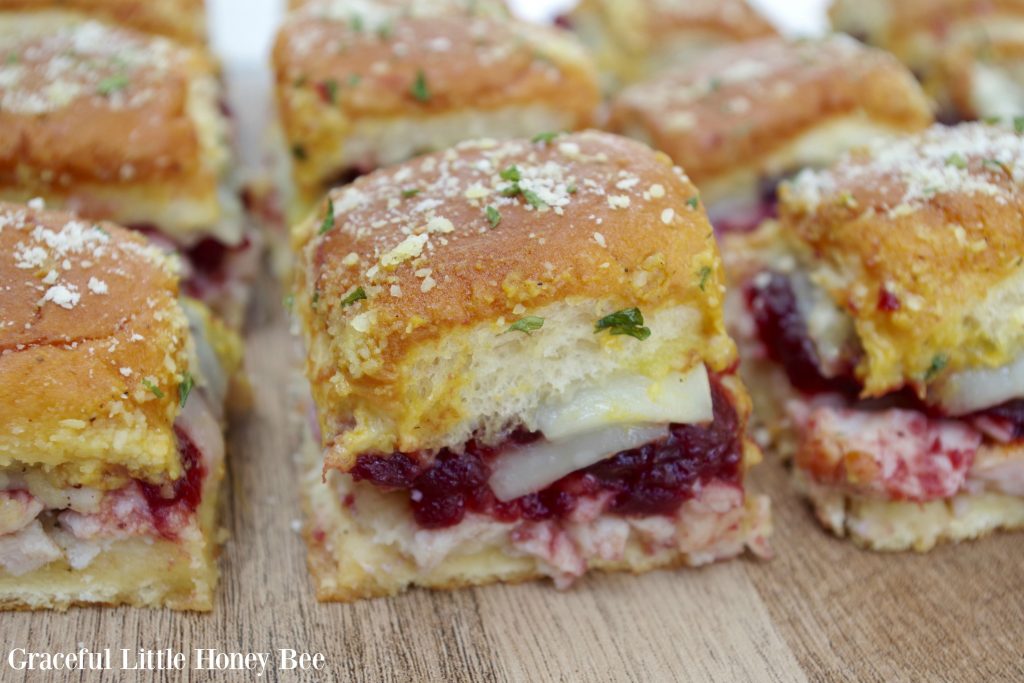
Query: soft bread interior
[484, 381]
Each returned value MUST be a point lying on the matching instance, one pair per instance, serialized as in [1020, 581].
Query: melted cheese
[597, 422]
[966, 391]
[533, 467]
[633, 399]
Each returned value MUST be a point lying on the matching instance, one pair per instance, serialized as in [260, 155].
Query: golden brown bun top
[392, 63]
[182, 20]
[347, 9]
[464, 62]
[910, 237]
[743, 101]
[902, 17]
[92, 347]
[87, 101]
[642, 20]
[452, 239]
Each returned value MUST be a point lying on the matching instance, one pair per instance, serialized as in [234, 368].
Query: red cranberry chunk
[185, 493]
[658, 477]
[783, 331]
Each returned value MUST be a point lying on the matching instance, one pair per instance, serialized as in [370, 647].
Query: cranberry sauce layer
[783, 332]
[650, 480]
[749, 218]
[170, 504]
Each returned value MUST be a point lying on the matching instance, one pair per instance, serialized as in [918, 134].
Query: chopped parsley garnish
[527, 325]
[493, 217]
[355, 295]
[938, 364]
[411, 192]
[154, 389]
[531, 197]
[100, 229]
[316, 298]
[956, 159]
[354, 79]
[328, 221]
[627, 321]
[356, 23]
[992, 120]
[545, 138]
[1018, 124]
[329, 90]
[511, 173]
[185, 388]
[12, 58]
[511, 190]
[419, 89]
[112, 84]
[571, 189]
[705, 273]
[384, 31]
[693, 201]
[299, 152]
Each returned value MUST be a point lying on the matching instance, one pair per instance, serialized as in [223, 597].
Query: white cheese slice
[969, 390]
[597, 422]
[535, 466]
[634, 399]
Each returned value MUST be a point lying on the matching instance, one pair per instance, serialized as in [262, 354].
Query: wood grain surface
[821, 610]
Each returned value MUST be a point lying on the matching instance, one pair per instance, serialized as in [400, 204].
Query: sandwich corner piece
[883, 322]
[113, 389]
[518, 368]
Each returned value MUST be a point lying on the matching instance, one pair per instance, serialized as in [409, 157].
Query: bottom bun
[905, 525]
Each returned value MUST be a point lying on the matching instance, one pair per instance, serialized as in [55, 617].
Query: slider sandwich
[634, 39]
[113, 389]
[883, 313]
[744, 117]
[183, 21]
[366, 84]
[969, 54]
[518, 368]
[122, 126]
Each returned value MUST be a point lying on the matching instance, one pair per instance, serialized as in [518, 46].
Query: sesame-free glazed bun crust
[935, 220]
[182, 20]
[734, 19]
[619, 227]
[743, 102]
[88, 316]
[102, 118]
[335, 76]
[891, 23]
[632, 39]
[111, 123]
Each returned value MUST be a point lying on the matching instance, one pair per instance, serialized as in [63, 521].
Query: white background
[243, 30]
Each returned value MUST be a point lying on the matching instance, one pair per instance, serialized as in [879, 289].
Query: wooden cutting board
[821, 610]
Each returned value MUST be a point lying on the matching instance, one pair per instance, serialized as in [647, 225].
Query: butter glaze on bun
[451, 249]
[92, 348]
